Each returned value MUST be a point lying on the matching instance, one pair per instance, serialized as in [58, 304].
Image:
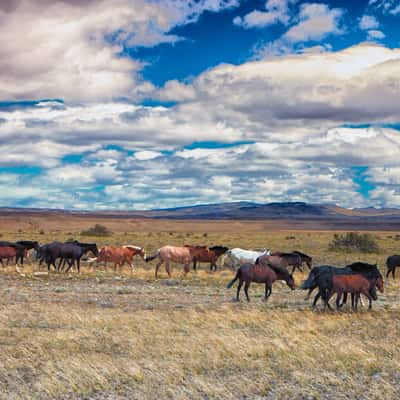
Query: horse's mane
[279, 270]
[301, 254]
[361, 266]
[129, 246]
[219, 248]
[365, 268]
[282, 254]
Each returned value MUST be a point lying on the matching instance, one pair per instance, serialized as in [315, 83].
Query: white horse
[236, 257]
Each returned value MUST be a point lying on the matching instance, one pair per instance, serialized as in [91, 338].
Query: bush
[97, 230]
[354, 241]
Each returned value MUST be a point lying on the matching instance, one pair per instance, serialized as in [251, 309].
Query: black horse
[391, 263]
[27, 245]
[321, 278]
[71, 254]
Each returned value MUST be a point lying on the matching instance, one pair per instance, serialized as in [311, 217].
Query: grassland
[128, 336]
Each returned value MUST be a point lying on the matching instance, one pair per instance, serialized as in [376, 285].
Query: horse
[260, 273]
[28, 245]
[280, 259]
[304, 258]
[207, 254]
[166, 254]
[72, 252]
[19, 251]
[119, 255]
[391, 263]
[321, 278]
[9, 252]
[238, 256]
[356, 284]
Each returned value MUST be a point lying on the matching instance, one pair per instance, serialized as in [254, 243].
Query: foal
[260, 273]
[356, 285]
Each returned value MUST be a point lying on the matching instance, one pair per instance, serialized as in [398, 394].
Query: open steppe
[106, 335]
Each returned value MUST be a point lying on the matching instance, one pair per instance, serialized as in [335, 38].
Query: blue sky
[132, 104]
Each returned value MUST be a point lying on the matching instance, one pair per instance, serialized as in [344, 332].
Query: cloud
[368, 22]
[374, 34]
[277, 11]
[316, 21]
[74, 50]
[386, 6]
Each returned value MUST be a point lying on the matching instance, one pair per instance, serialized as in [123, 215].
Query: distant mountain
[234, 210]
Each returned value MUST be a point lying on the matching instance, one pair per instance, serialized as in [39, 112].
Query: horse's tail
[147, 259]
[309, 282]
[230, 284]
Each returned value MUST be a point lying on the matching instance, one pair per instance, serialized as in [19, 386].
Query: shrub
[41, 232]
[354, 241]
[97, 230]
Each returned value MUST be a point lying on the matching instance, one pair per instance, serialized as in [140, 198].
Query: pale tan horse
[166, 254]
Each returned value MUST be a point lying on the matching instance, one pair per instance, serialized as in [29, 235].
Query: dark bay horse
[304, 258]
[260, 273]
[280, 259]
[321, 278]
[391, 263]
[207, 254]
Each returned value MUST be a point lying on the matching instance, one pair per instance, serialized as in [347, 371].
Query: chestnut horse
[9, 252]
[119, 255]
[260, 273]
[207, 254]
[355, 284]
[166, 254]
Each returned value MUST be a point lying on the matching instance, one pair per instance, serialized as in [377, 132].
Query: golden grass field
[103, 335]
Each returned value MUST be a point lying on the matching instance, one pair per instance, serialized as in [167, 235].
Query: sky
[140, 104]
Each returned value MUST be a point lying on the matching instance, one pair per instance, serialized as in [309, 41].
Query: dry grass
[101, 336]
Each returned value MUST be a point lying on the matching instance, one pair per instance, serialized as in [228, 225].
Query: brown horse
[355, 284]
[260, 273]
[280, 259]
[9, 252]
[166, 254]
[207, 254]
[120, 255]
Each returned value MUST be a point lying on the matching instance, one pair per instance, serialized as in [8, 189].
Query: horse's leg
[78, 265]
[344, 299]
[246, 290]
[194, 264]
[167, 268]
[238, 289]
[394, 272]
[268, 290]
[157, 267]
[338, 298]
[326, 296]
[186, 268]
[317, 296]
[388, 272]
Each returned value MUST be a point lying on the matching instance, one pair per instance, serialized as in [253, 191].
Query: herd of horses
[264, 267]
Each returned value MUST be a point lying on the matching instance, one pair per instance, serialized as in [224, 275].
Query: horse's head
[379, 284]
[93, 248]
[290, 282]
[142, 253]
